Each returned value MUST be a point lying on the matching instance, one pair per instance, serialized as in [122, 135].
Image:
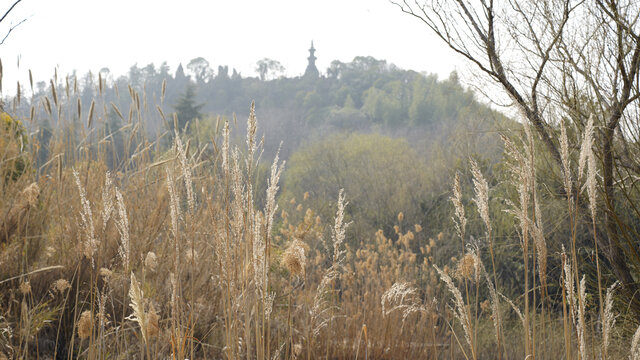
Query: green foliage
[13, 142]
[186, 107]
[382, 176]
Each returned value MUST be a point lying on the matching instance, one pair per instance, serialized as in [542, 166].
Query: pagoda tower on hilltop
[312, 71]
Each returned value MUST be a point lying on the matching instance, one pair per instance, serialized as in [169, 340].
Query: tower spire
[312, 70]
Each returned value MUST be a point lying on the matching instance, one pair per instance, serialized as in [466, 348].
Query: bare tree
[561, 58]
[13, 26]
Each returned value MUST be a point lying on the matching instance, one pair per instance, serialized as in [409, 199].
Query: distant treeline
[365, 95]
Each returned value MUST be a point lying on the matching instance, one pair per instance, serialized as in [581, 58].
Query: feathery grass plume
[481, 188]
[54, 93]
[47, 105]
[226, 131]
[515, 309]
[153, 322]
[576, 304]
[271, 205]
[251, 134]
[122, 223]
[137, 304]
[268, 305]
[186, 171]
[85, 324]
[105, 273]
[259, 247]
[459, 220]
[61, 285]
[239, 203]
[174, 301]
[115, 108]
[592, 170]
[339, 229]
[540, 242]
[402, 297]
[581, 326]
[564, 157]
[174, 206]
[586, 146]
[90, 116]
[496, 314]
[568, 284]
[459, 309]
[635, 346]
[100, 88]
[79, 108]
[522, 171]
[107, 199]
[151, 261]
[321, 306]
[25, 288]
[90, 244]
[163, 90]
[466, 267]
[294, 258]
[102, 311]
[609, 319]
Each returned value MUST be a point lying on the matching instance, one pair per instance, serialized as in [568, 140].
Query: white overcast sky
[90, 34]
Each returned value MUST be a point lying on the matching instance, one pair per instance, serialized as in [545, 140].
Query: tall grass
[174, 249]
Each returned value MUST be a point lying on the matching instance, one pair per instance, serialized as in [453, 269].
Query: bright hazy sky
[89, 35]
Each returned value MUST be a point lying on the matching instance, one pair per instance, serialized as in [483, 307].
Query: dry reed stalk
[54, 93]
[459, 220]
[259, 259]
[115, 108]
[137, 304]
[91, 110]
[122, 223]
[107, 200]
[47, 106]
[635, 346]
[564, 157]
[226, 131]
[609, 320]
[459, 309]
[90, 244]
[186, 172]
[320, 313]
[586, 146]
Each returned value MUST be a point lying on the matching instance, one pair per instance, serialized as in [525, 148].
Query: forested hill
[361, 95]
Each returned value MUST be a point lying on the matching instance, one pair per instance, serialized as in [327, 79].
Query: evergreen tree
[186, 107]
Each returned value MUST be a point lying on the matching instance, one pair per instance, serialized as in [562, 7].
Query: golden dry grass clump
[294, 259]
[85, 324]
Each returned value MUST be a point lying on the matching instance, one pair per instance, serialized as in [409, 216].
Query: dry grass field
[183, 250]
